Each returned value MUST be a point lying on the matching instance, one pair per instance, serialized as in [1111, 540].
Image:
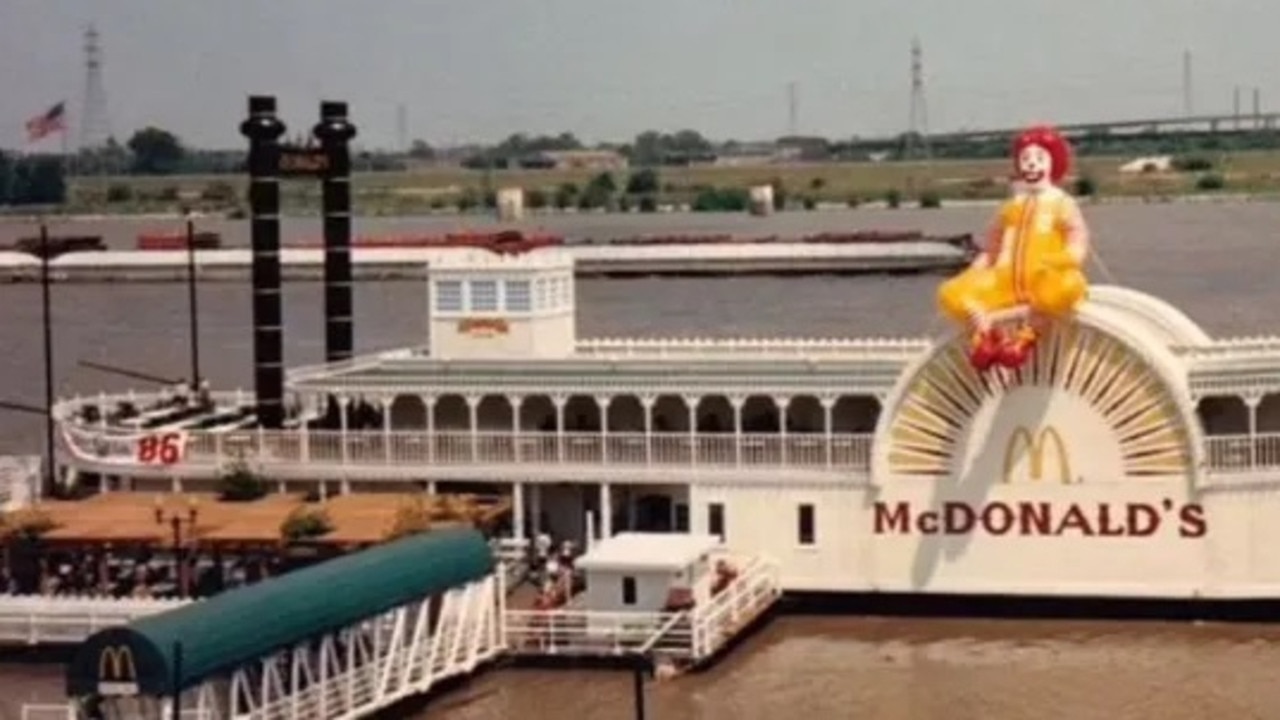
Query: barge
[1136, 457]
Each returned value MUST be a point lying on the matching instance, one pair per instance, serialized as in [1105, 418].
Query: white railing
[1243, 453]
[571, 631]
[37, 619]
[67, 711]
[462, 448]
[902, 349]
[757, 587]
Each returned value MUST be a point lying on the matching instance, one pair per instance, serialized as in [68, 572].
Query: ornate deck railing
[1243, 453]
[118, 446]
[42, 619]
[409, 449]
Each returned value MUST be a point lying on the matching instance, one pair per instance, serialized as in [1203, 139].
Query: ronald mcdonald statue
[1034, 257]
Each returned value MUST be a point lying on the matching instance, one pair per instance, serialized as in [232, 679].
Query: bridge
[1143, 128]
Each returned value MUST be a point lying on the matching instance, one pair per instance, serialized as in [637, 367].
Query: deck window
[628, 590]
[805, 533]
[484, 295]
[541, 294]
[519, 296]
[715, 520]
[449, 295]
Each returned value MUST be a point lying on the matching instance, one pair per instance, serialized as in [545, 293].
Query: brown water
[1217, 262]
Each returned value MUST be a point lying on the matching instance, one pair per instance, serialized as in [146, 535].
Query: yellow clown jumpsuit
[1031, 267]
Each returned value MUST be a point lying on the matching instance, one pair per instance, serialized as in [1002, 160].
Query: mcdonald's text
[1041, 519]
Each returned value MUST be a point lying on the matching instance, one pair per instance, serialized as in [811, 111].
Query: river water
[1218, 262]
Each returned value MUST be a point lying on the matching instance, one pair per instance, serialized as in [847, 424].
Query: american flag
[47, 123]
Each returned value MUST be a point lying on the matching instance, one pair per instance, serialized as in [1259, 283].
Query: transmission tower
[917, 139]
[1188, 107]
[95, 127]
[793, 110]
[402, 129]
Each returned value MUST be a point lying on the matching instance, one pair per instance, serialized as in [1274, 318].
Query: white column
[781, 403]
[602, 407]
[736, 402]
[691, 403]
[473, 411]
[606, 511]
[343, 401]
[828, 405]
[429, 402]
[516, 402]
[304, 433]
[1251, 404]
[559, 401]
[647, 402]
[517, 510]
[387, 454]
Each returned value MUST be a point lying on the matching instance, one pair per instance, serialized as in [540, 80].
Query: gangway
[342, 639]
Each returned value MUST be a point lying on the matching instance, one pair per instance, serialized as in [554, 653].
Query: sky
[479, 70]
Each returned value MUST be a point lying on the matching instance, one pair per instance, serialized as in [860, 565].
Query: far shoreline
[9, 216]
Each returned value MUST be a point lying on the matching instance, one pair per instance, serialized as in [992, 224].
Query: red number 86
[163, 449]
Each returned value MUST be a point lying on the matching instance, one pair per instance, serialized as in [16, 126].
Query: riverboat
[1134, 457]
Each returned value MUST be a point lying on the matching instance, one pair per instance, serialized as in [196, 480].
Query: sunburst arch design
[925, 435]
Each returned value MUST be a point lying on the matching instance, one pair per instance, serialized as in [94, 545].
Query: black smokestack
[335, 133]
[264, 129]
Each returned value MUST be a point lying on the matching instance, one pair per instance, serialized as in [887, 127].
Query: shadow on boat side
[1037, 607]
[43, 654]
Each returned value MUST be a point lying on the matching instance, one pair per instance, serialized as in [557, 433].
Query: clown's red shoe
[1017, 351]
[986, 349]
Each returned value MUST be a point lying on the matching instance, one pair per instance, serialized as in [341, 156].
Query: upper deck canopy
[242, 625]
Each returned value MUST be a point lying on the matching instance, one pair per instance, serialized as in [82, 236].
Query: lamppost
[177, 521]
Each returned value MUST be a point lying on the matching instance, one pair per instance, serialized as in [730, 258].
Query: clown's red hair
[1049, 139]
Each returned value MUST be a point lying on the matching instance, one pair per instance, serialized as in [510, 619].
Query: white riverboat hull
[1135, 457]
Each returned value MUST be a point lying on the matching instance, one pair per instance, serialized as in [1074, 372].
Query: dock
[672, 642]
[595, 260]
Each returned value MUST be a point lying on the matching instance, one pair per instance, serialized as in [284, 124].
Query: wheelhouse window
[805, 531]
[519, 296]
[449, 295]
[484, 295]
[628, 590]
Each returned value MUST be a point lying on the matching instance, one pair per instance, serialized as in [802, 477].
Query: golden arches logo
[1035, 445]
[117, 672]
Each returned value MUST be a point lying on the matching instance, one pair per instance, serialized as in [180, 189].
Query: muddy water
[1218, 262]
[926, 670]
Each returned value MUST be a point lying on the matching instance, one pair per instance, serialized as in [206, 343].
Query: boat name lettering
[483, 327]
[1041, 519]
[303, 161]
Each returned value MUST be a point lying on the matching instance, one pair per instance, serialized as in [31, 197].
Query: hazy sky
[606, 69]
